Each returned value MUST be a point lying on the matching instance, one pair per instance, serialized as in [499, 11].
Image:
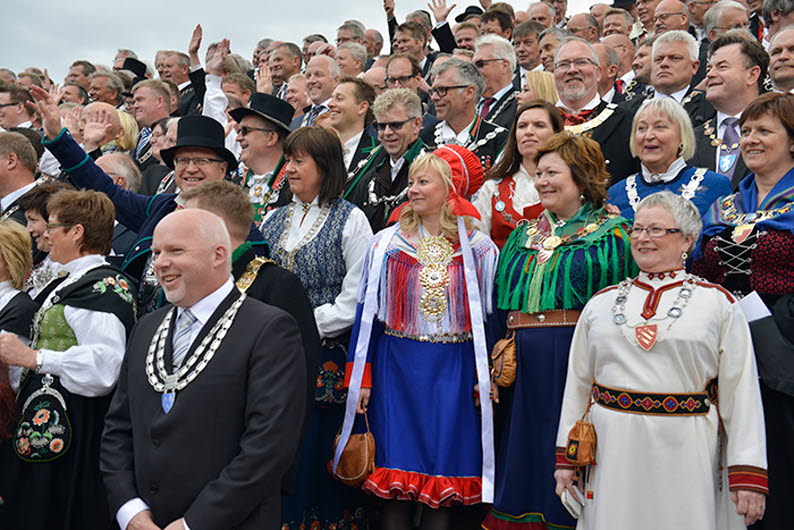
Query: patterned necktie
[575, 119]
[142, 141]
[486, 106]
[316, 111]
[729, 154]
[182, 337]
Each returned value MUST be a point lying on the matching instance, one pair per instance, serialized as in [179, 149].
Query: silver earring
[581, 197]
[684, 256]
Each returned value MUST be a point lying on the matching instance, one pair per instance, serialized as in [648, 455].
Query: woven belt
[555, 317]
[696, 404]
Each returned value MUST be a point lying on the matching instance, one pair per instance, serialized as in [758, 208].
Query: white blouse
[334, 318]
[522, 194]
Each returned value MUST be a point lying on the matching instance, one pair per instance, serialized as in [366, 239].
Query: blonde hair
[129, 139]
[15, 250]
[409, 219]
[677, 115]
[542, 84]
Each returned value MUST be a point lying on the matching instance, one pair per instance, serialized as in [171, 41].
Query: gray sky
[53, 34]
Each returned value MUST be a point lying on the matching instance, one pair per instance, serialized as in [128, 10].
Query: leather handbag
[503, 361]
[582, 440]
[357, 461]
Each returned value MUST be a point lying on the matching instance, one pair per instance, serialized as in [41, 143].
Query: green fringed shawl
[572, 274]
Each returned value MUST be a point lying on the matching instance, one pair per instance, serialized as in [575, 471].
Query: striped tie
[182, 337]
[142, 141]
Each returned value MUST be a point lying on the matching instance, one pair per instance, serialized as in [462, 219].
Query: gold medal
[552, 242]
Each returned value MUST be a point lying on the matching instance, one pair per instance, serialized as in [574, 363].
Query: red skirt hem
[434, 491]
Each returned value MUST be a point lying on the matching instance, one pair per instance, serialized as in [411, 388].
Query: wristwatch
[39, 360]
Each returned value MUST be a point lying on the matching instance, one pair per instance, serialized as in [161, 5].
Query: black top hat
[623, 3]
[136, 67]
[469, 11]
[199, 131]
[268, 107]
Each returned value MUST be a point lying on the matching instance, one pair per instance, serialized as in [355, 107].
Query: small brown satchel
[357, 461]
[503, 360]
[582, 442]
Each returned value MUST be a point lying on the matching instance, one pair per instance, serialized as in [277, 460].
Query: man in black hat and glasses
[199, 156]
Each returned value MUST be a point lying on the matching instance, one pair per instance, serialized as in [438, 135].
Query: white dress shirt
[215, 103]
[349, 148]
[9, 199]
[593, 103]
[677, 96]
[448, 136]
[333, 318]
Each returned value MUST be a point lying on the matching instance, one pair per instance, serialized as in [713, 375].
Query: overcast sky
[52, 34]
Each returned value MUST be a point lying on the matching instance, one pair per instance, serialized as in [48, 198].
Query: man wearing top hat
[261, 130]
[199, 156]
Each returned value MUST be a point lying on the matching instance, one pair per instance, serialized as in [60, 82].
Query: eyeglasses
[199, 161]
[391, 81]
[654, 232]
[479, 63]
[50, 226]
[393, 125]
[246, 130]
[661, 17]
[578, 63]
[4, 105]
[442, 90]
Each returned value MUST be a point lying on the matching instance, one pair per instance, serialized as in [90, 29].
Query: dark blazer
[139, 213]
[489, 140]
[444, 38]
[503, 110]
[123, 239]
[706, 155]
[613, 136]
[17, 315]
[695, 104]
[13, 212]
[192, 96]
[366, 144]
[219, 456]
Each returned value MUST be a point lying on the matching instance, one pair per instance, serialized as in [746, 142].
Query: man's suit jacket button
[156, 443]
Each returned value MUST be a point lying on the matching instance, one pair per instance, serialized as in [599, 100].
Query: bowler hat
[199, 131]
[468, 12]
[268, 107]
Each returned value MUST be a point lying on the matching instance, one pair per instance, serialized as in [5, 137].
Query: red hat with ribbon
[467, 177]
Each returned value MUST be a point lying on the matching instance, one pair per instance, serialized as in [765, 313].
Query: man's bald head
[192, 255]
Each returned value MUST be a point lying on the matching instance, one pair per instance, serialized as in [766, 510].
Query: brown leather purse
[582, 440]
[503, 361]
[357, 461]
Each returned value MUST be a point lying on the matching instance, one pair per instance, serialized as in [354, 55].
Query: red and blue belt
[696, 404]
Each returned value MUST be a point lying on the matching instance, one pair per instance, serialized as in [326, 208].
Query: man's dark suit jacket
[503, 111]
[613, 136]
[706, 155]
[698, 108]
[219, 456]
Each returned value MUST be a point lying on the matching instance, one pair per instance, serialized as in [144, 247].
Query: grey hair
[357, 30]
[124, 166]
[501, 47]
[786, 28]
[685, 214]
[559, 33]
[467, 74]
[358, 51]
[568, 40]
[421, 16]
[627, 18]
[9, 72]
[712, 17]
[547, 4]
[377, 37]
[402, 97]
[677, 36]
[264, 44]
[126, 53]
[114, 83]
[677, 115]
[784, 7]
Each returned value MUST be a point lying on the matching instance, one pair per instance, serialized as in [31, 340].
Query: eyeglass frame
[50, 226]
[564, 66]
[198, 161]
[390, 81]
[479, 63]
[245, 130]
[636, 232]
[442, 91]
[393, 125]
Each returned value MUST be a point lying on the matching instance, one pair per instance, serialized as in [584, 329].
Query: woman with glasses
[748, 246]
[50, 466]
[647, 358]
[509, 195]
[428, 281]
[663, 139]
[549, 268]
[322, 239]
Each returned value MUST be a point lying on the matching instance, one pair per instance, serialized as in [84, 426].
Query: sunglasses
[393, 125]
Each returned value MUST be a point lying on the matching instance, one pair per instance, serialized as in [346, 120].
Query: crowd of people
[543, 258]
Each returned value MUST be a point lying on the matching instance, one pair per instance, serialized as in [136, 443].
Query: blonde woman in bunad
[418, 347]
